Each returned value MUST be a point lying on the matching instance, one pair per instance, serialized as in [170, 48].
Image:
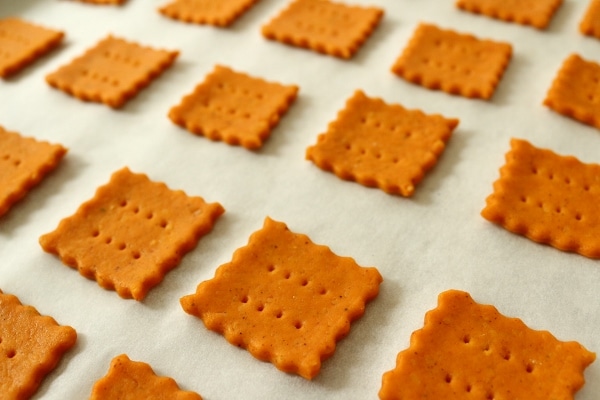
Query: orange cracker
[549, 198]
[111, 72]
[536, 13]
[234, 107]
[327, 27]
[131, 233]
[575, 91]
[22, 42]
[133, 380]
[382, 145]
[285, 299]
[104, 2]
[212, 12]
[467, 350]
[590, 24]
[24, 162]
[453, 62]
[31, 345]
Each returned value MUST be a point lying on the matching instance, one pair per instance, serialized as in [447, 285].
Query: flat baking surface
[423, 245]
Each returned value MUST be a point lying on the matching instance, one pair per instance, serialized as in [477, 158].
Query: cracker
[104, 2]
[220, 13]
[31, 345]
[590, 24]
[234, 107]
[548, 198]
[131, 233]
[132, 380]
[112, 72]
[575, 92]
[381, 145]
[466, 350]
[24, 162]
[285, 299]
[21, 43]
[453, 62]
[536, 13]
[324, 26]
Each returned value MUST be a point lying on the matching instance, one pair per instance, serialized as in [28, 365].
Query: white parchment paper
[424, 245]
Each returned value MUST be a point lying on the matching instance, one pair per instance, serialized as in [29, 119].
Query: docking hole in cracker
[131, 233]
[590, 24]
[112, 72]
[22, 42]
[24, 162]
[382, 145]
[466, 350]
[234, 107]
[324, 26]
[220, 13]
[285, 299]
[575, 92]
[549, 198]
[31, 345]
[536, 13]
[136, 380]
[456, 63]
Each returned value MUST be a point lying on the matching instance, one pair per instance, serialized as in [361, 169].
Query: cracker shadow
[254, 18]
[355, 350]
[509, 85]
[560, 20]
[22, 211]
[16, 8]
[378, 38]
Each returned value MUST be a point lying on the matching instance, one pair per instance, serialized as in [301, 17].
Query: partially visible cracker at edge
[22, 42]
[324, 26]
[457, 63]
[536, 13]
[31, 346]
[131, 233]
[221, 13]
[590, 24]
[112, 72]
[24, 162]
[548, 198]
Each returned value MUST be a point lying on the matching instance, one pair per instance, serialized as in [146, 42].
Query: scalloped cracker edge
[220, 13]
[536, 13]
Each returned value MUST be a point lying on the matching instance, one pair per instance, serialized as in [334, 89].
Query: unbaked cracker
[285, 299]
[382, 145]
[467, 350]
[220, 13]
[131, 233]
[590, 24]
[234, 107]
[453, 62]
[135, 380]
[548, 198]
[22, 42]
[324, 26]
[31, 345]
[575, 92]
[536, 13]
[24, 162]
[112, 72]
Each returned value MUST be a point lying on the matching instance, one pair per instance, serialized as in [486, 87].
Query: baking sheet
[422, 246]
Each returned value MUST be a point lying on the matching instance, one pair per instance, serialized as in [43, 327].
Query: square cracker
[575, 91]
[24, 162]
[31, 345]
[131, 233]
[453, 62]
[467, 350]
[536, 13]
[590, 24]
[133, 380]
[377, 144]
[212, 12]
[234, 107]
[327, 27]
[22, 42]
[285, 299]
[111, 72]
[548, 198]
